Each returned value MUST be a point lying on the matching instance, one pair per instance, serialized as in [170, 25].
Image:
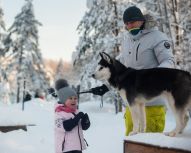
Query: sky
[58, 37]
[105, 135]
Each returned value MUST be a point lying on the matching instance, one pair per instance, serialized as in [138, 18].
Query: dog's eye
[100, 68]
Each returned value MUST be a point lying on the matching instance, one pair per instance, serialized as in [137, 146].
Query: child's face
[72, 102]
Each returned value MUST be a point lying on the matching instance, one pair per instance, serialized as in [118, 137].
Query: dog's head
[103, 70]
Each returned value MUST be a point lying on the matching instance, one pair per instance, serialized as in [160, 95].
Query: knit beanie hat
[65, 93]
[63, 90]
[133, 13]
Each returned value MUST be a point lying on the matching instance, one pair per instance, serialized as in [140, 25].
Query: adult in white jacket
[144, 46]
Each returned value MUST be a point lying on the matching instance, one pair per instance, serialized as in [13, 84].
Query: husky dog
[140, 86]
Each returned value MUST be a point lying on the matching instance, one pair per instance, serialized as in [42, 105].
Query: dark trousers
[75, 151]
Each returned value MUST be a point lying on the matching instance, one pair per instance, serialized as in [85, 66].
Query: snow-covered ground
[105, 135]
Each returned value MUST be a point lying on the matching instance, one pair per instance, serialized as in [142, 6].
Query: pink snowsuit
[67, 140]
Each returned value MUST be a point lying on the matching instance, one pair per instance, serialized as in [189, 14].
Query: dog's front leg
[134, 109]
[142, 117]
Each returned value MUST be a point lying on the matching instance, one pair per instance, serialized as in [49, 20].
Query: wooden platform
[137, 147]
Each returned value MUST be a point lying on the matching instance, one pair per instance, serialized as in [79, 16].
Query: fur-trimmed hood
[150, 22]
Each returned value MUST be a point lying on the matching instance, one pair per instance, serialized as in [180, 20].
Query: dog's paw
[142, 130]
[132, 133]
[171, 134]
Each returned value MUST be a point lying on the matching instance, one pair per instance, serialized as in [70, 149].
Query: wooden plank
[136, 147]
[5, 129]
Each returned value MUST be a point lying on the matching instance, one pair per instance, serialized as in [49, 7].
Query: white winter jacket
[67, 140]
[149, 48]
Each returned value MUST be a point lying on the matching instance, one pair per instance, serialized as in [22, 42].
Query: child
[69, 122]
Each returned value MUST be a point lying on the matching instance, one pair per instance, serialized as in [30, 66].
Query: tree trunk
[19, 77]
[18, 91]
[168, 22]
[116, 48]
[175, 15]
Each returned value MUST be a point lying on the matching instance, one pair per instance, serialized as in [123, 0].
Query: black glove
[79, 116]
[101, 90]
[52, 92]
[71, 123]
[85, 122]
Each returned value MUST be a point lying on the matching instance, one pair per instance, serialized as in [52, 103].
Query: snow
[106, 134]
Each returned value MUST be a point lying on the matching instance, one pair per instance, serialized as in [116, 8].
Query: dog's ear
[106, 57]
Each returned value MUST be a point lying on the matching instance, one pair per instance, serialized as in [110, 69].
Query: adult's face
[133, 25]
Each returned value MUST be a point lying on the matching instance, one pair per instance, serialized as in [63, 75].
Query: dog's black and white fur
[140, 86]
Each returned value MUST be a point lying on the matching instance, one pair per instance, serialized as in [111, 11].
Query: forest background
[24, 70]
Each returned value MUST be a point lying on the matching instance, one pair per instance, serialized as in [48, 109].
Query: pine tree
[186, 42]
[2, 37]
[177, 14]
[26, 57]
[101, 30]
[4, 84]
[2, 30]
